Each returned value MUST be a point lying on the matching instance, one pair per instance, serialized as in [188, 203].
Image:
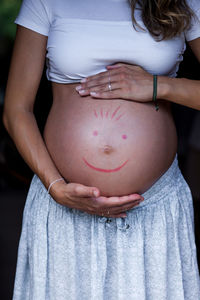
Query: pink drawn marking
[95, 133]
[119, 117]
[95, 113]
[124, 136]
[115, 112]
[104, 170]
[101, 113]
[107, 114]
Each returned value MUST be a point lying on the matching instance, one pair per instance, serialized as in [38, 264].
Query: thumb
[109, 67]
[85, 191]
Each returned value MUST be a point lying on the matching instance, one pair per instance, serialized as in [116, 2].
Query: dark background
[15, 176]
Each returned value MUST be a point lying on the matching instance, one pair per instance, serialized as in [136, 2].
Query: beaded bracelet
[155, 92]
[59, 179]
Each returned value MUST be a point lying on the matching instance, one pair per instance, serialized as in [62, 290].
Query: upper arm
[195, 46]
[34, 20]
[192, 35]
[26, 69]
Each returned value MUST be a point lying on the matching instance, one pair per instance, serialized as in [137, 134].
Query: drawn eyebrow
[116, 110]
[119, 117]
[102, 113]
[106, 115]
[95, 113]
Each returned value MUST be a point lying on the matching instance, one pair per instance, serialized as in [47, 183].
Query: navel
[107, 149]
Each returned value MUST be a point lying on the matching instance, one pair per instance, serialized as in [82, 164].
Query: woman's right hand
[88, 199]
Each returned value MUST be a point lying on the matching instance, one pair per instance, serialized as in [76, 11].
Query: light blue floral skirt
[66, 254]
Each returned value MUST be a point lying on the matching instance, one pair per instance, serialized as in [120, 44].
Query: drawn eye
[95, 132]
[124, 136]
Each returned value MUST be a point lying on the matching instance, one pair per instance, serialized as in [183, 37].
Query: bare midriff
[118, 146]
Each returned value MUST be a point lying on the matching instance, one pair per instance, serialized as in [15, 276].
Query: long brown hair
[164, 19]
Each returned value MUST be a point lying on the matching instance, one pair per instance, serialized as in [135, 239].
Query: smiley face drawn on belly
[107, 149]
[104, 170]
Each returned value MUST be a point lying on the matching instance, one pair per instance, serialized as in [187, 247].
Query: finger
[109, 202]
[118, 65]
[123, 215]
[106, 88]
[103, 85]
[131, 199]
[108, 95]
[123, 208]
[127, 200]
[98, 76]
[104, 80]
[106, 215]
[120, 209]
[101, 88]
[115, 66]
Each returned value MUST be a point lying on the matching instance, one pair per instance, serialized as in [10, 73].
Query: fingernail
[93, 94]
[79, 87]
[83, 80]
[95, 193]
[82, 92]
[124, 215]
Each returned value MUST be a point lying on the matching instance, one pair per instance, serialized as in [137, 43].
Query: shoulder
[36, 15]
[193, 32]
[194, 5]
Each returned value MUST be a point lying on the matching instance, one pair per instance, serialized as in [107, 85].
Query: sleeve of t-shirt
[35, 15]
[194, 31]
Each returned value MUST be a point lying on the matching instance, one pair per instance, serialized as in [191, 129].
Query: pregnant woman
[108, 214]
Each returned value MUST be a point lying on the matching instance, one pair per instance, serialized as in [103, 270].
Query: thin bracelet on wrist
[155, 92]
[59, 179]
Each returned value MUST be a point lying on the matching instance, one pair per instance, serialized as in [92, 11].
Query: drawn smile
[104, 170]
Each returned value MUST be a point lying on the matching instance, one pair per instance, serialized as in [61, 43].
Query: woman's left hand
[129, 82]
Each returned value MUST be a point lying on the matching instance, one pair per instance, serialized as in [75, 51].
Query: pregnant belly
[119, 146]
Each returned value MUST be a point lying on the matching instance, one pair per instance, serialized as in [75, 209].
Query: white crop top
[84, 36]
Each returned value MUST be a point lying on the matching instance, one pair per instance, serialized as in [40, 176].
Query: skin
[104, 170]
[69, 137]
[103, 115]
[128, 82]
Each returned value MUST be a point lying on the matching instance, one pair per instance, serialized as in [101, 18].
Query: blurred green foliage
[8, 12]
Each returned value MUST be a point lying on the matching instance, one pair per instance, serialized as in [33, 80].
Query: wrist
[59, 192]
[49, 176]
[53, 182]
[164, 87]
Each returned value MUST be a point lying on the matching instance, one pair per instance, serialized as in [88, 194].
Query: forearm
[23, 129]
[180, 90]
